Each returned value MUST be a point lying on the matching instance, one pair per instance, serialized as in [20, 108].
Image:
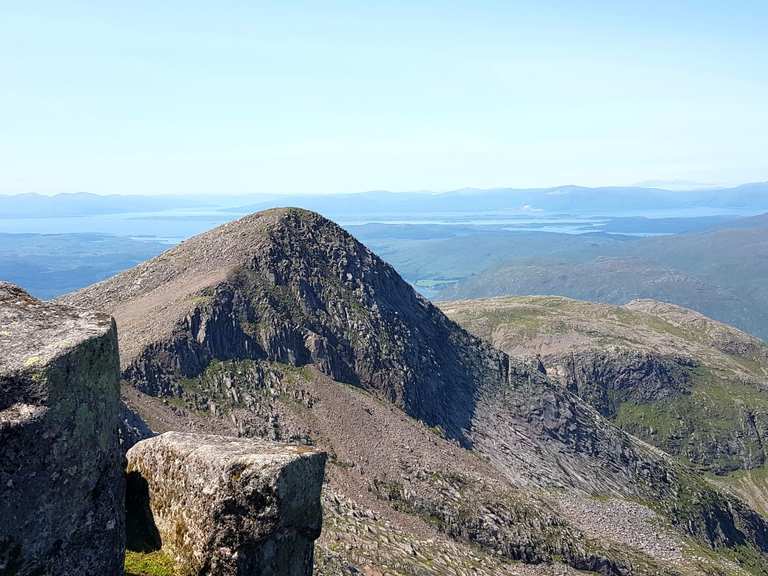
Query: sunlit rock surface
[61, 478]
[226, 506]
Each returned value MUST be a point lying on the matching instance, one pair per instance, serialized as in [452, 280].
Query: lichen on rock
[224, 506]
[61, 480]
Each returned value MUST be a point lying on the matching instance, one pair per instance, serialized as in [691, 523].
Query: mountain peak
[290, 286]
[171, 285]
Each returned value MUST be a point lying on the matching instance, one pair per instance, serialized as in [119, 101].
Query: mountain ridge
[288, 286]
[553, 198]
[684, 382]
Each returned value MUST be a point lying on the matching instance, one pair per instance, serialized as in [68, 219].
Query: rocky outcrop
[295, 288]
[670, 376]
[225, 506]
[608, 378]
[132, 428]
[61, 478]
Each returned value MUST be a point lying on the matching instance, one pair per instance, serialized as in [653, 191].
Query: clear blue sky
[319, 97]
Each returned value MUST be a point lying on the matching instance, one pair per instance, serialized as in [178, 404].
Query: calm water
[174, 226]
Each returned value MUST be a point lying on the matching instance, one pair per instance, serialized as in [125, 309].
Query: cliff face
[676, 379]
[284, 289]
[61, 479]
[607, 379]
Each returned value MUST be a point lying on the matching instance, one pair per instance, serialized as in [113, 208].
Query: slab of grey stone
[61, 478]
[224, 506]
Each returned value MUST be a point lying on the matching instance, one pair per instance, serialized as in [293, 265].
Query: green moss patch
[696, 426]
[149, 564]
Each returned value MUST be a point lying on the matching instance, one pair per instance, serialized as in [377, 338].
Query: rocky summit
[281, 325]
[61, 476]
[292, 287]
[225, 506]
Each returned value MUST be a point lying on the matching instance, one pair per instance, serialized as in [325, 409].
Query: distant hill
[722, 273]
[561, 199]
[611, 200]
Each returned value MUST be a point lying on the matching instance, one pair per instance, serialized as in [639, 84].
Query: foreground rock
[61, 478]
[226, 506]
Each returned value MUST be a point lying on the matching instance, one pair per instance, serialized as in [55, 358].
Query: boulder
[61, 476]
[225, 506]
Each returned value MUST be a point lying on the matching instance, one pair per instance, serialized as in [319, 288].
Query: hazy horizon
[666, 186]
[183, 98]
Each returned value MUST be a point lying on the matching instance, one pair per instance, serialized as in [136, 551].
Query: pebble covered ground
[358, 541]
[632, 524]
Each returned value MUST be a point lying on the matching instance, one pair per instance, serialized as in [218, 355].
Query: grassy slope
[723, 273]
[148, 564]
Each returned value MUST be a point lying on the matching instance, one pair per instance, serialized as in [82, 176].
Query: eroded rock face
[289, 286]
[606, 379]
[226, 506]
[61, 478]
